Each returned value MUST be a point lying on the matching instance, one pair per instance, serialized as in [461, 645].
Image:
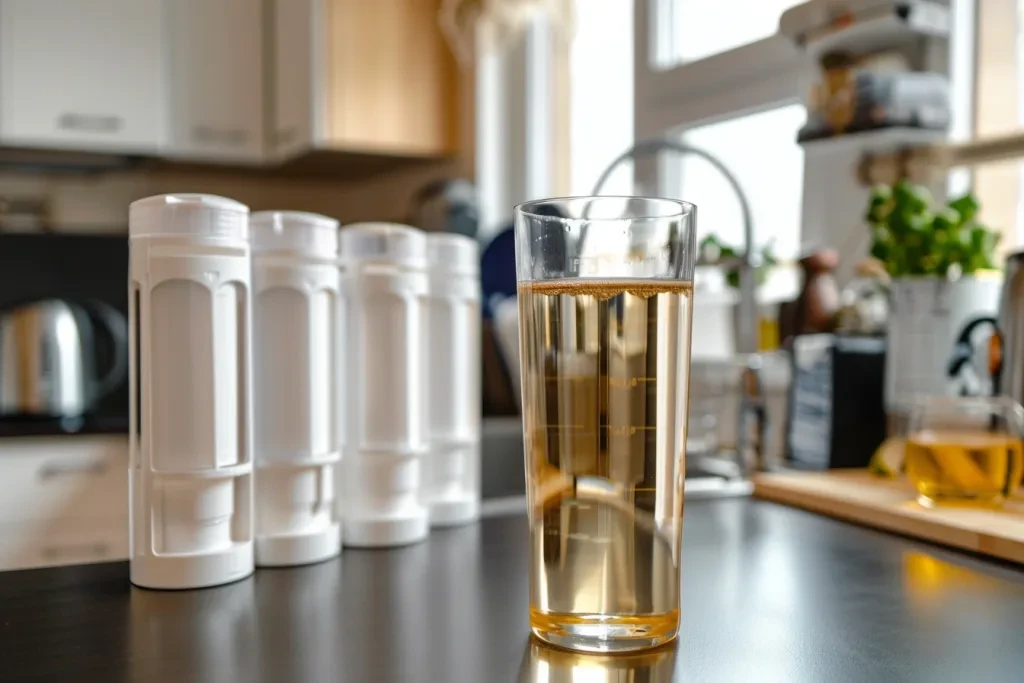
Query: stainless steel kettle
[48, 357]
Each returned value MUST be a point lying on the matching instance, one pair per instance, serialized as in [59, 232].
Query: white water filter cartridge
[384, 281]
[190, 470]
[451, 468]
[295, 359]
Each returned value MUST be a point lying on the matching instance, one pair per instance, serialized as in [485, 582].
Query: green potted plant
[941, 259]
[713, 251]
[913, 237]
[725, 324]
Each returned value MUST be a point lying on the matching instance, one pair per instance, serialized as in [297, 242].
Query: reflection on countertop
[544, 664]
[768, 594]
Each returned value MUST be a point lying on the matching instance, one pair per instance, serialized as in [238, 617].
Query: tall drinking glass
[605, 299]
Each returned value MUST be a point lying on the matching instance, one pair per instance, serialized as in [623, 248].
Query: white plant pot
[926, 316]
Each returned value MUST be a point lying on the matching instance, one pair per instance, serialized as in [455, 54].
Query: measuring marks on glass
[611, 383]
[612, 429]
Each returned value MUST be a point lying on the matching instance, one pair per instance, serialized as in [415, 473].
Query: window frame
[769, 73]
[514, 106]
[758, 76]
[999, 183]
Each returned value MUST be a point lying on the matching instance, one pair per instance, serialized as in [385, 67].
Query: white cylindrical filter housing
[451, 468]
[190, 472]
[295, 343]
[384, 282]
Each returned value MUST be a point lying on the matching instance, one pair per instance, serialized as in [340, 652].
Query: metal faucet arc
[752, 430]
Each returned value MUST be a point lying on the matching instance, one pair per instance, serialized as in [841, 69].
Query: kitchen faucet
[752, 429]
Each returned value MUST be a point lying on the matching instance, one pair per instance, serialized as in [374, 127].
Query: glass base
[604, 633]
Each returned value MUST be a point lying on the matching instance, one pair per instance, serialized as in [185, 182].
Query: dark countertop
[66, 427]
[769, 594]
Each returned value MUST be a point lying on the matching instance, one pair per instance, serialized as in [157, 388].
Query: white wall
[601, 102]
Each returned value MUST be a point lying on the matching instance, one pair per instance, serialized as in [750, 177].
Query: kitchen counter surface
[769, 594]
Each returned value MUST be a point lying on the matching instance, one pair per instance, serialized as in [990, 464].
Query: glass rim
[682, 208]
[939, 403]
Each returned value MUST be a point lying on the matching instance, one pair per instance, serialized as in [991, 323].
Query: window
[761, 151]
[707, 27]
[998, 110]
[734, 90]
[998, 93]
[601, 108]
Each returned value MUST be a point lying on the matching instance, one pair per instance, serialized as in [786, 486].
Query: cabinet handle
[97, 549]
[230, 137]
[90, 123]
[49, 471]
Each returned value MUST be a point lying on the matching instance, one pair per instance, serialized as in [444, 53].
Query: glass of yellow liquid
[965, 451]
[605, 298]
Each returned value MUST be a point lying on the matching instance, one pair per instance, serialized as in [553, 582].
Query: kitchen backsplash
[99, 201]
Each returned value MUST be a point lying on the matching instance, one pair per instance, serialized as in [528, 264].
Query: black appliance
[837, 401]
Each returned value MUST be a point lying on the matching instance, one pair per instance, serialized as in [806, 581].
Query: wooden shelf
[862, 30]
[878, 141]
[878, 33]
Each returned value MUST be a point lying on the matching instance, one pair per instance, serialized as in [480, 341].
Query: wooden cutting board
[888, 504]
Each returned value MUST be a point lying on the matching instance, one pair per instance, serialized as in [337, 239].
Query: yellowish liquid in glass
[606, 374]
[964, 466]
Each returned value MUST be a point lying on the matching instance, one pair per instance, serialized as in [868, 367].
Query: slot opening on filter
[333, 428]
[135, 354]
[241, 520]
[242, 389]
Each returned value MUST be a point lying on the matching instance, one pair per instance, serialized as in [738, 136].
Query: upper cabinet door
[391, 82]
[82, 74]
[297, 61]
[216, 77]
[365, 76]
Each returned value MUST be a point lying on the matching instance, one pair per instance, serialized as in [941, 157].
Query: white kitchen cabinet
[297, 56]
[63, 500]
[82, 75]
[64, 541]
[77, 477]
[216, 80]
